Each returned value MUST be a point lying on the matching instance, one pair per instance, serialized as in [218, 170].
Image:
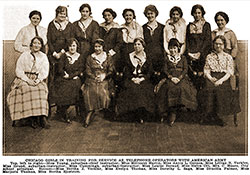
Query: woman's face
[220, 21]
[128, 17]
[61, 16]
[218, 45]
[98, 48]
[138, 46]
[36, 45]
[35, 20]
[197, 14]
[173, 50]
[108, 17]
[73, 48]
[151, 15]
[85, 13]
[176, 16]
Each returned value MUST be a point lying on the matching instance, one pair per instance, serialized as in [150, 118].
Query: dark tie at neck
[36, 31]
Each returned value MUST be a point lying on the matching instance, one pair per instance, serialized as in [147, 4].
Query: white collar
[60, 25]
[135, 59]
[174, 59]
[72, 58]
[107, 27]
[221, 32]
[99, 58]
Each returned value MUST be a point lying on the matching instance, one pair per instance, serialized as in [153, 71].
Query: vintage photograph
[124, 78]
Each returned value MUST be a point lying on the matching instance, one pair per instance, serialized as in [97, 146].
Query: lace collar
[197, 27]
[72, 58]
[221, 32]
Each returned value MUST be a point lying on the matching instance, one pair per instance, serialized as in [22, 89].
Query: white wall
[15, 13]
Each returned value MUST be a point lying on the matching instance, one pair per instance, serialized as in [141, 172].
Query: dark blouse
[86, 39]
[199, 42]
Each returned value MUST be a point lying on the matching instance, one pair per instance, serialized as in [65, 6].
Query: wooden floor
[108, 137]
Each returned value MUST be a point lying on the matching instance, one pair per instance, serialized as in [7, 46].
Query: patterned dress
[68, 89]
[218, 99]
[97, 94]
[180, 94]
[25, 100]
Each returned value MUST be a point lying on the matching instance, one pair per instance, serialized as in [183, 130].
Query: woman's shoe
[85, 125]
[44, 123]
[172, 119]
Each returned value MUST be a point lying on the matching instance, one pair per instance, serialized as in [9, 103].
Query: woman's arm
[18, 45]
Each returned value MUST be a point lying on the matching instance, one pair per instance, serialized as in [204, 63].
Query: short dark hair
[175, 8]
[113, 13]
[223, 14]
[60, 9]
[151, 8]
[141, 41]
[174, 42]
[99, 41]
[41, 41]
[71, 40]
[128, 10]
[222, 38]
[35, 12]
[198, 6]
[85, 5]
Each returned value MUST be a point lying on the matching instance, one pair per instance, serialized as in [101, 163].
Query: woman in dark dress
[198, 45]
[68, 84]
[59, 31]
[98, 86]
[153, 36]
[138, 94]
[176, 89]
[86, 31]
[217, 93]
[111, 34]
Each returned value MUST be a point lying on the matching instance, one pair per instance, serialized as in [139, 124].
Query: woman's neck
[82, 20]
[152, 22]
[129, 24]
[140, 53]
[222, 29]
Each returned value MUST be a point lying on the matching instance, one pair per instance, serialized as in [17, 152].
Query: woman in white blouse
[29, 92]
[217, 93]
[24, 36]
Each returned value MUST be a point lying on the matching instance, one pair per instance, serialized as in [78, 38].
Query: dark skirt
[220, 99]
[136, 96]
[67, 91]
[173, 95]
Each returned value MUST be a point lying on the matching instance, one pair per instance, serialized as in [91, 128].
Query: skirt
[25, 101]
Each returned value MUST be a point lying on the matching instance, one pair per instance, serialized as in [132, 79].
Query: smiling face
[85, 13]
[175, 16]
[138, 46]
[98, 48]
[108, 17]
[218, 45]
[73, 48]
[36, 45]
[220, 21]
[197, 14]
[61, 16]
[151, 15]
[35, 20]
[173, 50]
[129, 16]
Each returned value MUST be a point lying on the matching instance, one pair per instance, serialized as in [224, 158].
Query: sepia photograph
[125, 79]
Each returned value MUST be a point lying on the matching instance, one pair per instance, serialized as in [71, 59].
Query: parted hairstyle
[71, 40]
[99, 41]
[223, 14]
[223, 39]
[141, 41]
[175, 8]
[128, 10]
[85, 5]
[41, 41]
[113, 13]
[198, 6]
[35, 12]
[60, 9]
[151, 8]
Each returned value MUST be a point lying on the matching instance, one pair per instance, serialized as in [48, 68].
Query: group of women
[129, 68]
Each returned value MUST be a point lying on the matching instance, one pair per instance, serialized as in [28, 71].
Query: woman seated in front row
[28, 97]
[217, 93]
[98, 86]
[138, 95]
[176, 90]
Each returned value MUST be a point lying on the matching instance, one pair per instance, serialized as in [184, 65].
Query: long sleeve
[185, 68]
[207, 41]
[96, 32]
[20, 67]
[89, 72]
[19, 43]
[234, 45]
[43, 68]
[119, 41]
[50, 38]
